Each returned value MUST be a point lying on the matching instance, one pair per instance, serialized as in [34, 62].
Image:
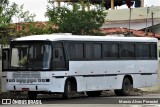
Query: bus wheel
[126, 88]
[32, 95]
[93, 93]
[67, 90]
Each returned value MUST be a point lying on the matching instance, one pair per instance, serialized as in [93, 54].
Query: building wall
[139, 17]
[136, 13]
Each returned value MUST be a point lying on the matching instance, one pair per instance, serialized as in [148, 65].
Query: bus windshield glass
[32, 56]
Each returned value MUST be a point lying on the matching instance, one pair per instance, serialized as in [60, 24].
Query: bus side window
[58, 57]
[4, 56]
[154, 51]
[58, 54]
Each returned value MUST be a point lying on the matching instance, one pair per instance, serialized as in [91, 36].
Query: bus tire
[32, 95]
[126, 88]
[67, 90]
[93, 93]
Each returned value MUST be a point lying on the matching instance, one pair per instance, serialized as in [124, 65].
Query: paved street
[111, 101]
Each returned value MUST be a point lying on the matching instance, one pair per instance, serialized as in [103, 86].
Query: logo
[6, 101]
[13, 101]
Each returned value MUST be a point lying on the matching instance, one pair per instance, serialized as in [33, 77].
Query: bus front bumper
[33, 87]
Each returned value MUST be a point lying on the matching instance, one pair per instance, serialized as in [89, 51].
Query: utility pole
[146, 31]
[112, 4]
[142, 3]
[152, 18]
[130, 13]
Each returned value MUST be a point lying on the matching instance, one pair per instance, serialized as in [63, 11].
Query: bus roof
[54, 37]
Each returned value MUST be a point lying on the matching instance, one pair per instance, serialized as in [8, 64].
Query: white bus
[91, 64]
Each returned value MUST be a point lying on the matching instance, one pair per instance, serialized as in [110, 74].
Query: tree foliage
[7, 12]
[34, 28]
[76, 21]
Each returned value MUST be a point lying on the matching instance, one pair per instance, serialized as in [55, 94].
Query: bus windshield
[32, 56]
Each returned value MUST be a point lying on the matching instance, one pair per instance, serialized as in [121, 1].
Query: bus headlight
[39, 80]
[10, 80]
[13, 80]
[43, 80]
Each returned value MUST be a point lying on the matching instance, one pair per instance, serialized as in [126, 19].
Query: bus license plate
[25, 89]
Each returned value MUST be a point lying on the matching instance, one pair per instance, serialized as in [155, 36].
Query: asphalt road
[149, 100]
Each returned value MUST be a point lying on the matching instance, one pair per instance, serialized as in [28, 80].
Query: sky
[38, 7]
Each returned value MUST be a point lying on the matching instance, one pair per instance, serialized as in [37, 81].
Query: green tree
[3, 5]
[76, 21]
[7, 12]
[35, 28]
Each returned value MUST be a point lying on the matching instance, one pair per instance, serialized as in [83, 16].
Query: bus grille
[26, 80]
[26, 75]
